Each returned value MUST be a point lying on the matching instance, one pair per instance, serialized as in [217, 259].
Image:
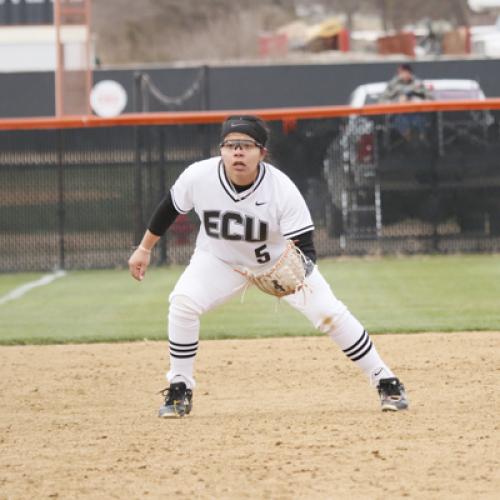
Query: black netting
[81, 198]
[415, 182]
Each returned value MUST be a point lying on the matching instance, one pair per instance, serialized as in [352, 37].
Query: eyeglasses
[244, 145]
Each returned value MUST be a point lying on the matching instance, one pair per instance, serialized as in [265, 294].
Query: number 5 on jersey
[262, 255]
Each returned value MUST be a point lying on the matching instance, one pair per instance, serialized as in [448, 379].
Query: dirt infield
[281, 418]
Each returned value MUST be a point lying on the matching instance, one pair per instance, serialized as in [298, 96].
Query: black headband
[246, 124]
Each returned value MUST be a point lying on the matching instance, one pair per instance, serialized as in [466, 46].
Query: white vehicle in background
[440, 90]
[359, 130]
[376, 176]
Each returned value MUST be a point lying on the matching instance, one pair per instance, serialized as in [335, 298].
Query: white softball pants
[208, 282]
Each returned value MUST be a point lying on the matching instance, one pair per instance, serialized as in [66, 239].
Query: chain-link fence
[81, 198]
[415, 182]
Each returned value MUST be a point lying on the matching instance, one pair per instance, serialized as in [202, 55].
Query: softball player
[248, 210]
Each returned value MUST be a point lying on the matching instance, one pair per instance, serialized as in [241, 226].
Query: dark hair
[246, 124]
[406, 67]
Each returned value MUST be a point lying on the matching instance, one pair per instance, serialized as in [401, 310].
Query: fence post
[435, 188]
[162, 165]
[205, 95]
[205, 105]
[137, 92]
[137, 209]
[61, 212]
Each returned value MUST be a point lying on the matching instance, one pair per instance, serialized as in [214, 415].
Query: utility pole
[383, 14]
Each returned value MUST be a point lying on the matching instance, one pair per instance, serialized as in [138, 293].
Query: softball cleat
[392, 394]
[178, 401]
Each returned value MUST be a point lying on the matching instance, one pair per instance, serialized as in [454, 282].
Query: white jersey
[246, 229]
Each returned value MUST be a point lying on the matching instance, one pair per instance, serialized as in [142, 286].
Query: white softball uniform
[243, 229]
[249, 229]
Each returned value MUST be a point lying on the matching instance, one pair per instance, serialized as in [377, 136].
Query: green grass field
[393, 294]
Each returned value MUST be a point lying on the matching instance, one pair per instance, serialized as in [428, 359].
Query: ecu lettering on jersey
[234, 226]
[247, 228]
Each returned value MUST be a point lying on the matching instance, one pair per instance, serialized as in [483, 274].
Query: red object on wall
[401, 43]
[344, 40]
[468, 40]
[273, 44]
[457, 41]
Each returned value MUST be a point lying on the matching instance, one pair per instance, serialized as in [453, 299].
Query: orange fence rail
[271, 114]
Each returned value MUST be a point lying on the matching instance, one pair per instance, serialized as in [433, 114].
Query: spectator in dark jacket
[404, 87]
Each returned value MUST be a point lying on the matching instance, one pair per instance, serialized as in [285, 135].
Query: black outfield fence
[77, 194]
[247, 86]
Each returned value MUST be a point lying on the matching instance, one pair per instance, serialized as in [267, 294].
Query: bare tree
[166, 30]
[462, 11]
[382, 5]
[351, 8]
[396, 14]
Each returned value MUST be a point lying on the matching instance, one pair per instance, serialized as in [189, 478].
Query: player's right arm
[177, 201]
[140, 259]
[162, 218]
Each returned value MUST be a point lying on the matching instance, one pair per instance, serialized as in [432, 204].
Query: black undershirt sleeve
[163, 216]
[305, 242]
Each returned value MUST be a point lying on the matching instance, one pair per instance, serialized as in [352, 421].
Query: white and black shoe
[178, 401]
[392, 394]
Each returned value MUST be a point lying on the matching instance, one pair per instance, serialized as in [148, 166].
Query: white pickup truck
[440, 90]
[376, 176]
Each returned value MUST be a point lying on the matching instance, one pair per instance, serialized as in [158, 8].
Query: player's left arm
[297, 225]
[305, 243]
